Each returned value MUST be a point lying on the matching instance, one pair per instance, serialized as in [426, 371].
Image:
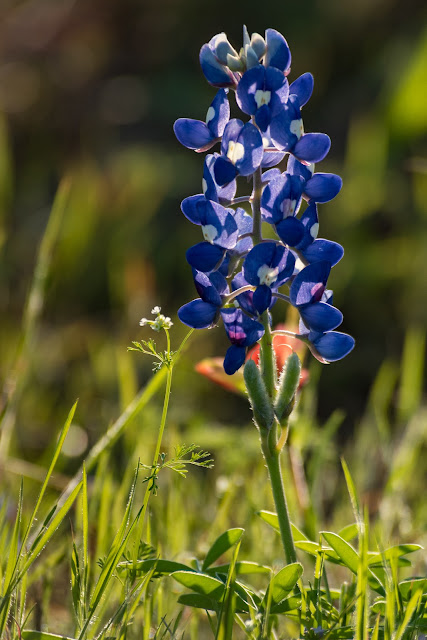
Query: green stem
[271, 444]
[272, 459]
[267, 357]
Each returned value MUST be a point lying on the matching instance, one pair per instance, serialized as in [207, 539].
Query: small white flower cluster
[161, 321]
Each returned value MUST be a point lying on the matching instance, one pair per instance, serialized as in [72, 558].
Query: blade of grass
[32, 312]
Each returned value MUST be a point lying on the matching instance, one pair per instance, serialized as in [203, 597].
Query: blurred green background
[90, 89]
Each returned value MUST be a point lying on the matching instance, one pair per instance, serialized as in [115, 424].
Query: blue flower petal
[296, 168]
[194, 134]
[206, 286]
[322, 249]
[215, 73]
[310, 222]
[234, 358]
[308, 286]
[250, 82]
[204, 256]
[245, 299]
[312, 147]
[211, 189]
[190, 209]
[320, 316]
[241, 329]
[262, 298]
[278, 53]
[218, 224]
[322, 187]
[286, 126]
[332, 346]
[267, 176]
[291, 231]
[263, 117]
[281, 198]
[268, 263]
[253, 147]
[302, 87]
[198, 314]
[231, 133]
[218, 114]
[224, 171]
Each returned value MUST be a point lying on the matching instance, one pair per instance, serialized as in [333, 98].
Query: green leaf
[161, 567]
[349, 532]
[225, 541]
[271, 518]
[242, 568]
[344, 550]
[308, 546]
[409, 586]
[282, 583]
[201, 583]
[293, 603]
[198, 601]
[392, 554]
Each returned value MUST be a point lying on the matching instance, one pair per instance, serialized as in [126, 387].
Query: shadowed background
[91, 90]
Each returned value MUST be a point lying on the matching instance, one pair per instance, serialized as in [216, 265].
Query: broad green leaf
[293, 603]
[201, 583]
[282, 583]
[379, 606]
[242, 568]
[198, 601]
[308, 546]
[222, 544]
[393, 553]
[344, 550]
[271, 518]
[408, 587]
[349, 532]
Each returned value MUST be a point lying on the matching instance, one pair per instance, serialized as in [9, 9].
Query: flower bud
[258, 396]
[288, 385]
[258, 45]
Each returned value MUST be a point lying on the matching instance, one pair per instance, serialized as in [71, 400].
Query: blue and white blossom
[239, 275]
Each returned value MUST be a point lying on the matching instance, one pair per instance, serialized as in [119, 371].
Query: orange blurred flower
[283, 346]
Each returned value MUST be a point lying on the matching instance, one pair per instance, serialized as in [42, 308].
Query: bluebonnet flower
[201, 136]
[243, 332]
[262, 92]
[267, 264]
[203, 312]
[328, 346]
[237, 273]
[287, 133]
[241, 152]
[306, 294]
